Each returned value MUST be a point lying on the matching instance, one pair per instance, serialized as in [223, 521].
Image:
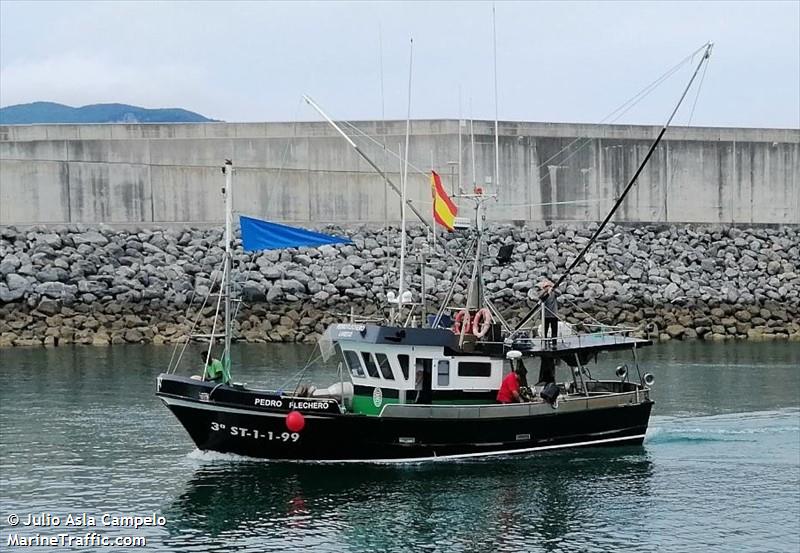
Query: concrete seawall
[134, 175]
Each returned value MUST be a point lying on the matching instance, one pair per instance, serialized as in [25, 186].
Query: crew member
[550, 306]
[547, 371]
[215, 370]
[422, 382]
[509, 389]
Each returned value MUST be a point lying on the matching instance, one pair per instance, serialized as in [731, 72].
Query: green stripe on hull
[365, 404]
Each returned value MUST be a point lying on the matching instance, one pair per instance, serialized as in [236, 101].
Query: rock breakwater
[73, 284]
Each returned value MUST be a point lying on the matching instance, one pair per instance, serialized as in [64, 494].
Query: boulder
[133, 335]
[92, 237]
[743, 315]
[675, 331]
[275, 293]
[672, 291]
[49, 307]
[17, 282]
[9, 264]
[7, 295]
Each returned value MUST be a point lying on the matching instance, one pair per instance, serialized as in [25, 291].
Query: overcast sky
[556, 61]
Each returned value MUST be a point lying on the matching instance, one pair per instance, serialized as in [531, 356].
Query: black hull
[332, 436]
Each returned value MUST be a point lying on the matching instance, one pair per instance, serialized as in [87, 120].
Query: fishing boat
[420, 385]
[410, 392]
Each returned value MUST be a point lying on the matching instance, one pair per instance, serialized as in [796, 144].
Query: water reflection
[721, 466]
[541, 502]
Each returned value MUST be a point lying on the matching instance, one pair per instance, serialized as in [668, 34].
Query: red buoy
[295, 421]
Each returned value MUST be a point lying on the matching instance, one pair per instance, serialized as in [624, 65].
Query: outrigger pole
[602, 226]
[358, 150]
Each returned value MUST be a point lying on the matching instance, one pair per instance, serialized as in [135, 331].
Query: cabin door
[423, 378]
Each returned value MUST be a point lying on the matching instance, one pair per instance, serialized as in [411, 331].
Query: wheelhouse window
[372, 370]
[384, 366]
[403, 359]
[472, 368]
[353, 363]
[443, 373]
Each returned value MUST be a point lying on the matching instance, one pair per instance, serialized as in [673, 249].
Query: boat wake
[733, 427]
[204, 456]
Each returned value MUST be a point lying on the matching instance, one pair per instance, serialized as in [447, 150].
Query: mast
[475, 295]
[228, 193]
[627, 189]
[433, 213]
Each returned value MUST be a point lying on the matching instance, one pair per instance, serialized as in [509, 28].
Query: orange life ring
[461, 317]
[482, 322]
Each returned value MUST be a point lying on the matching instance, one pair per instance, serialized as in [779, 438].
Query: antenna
[383, 120]
[460, 147]
[496, 127]
[405, 178]
[472, 143]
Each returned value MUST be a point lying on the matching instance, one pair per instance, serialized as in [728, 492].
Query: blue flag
[262, 235]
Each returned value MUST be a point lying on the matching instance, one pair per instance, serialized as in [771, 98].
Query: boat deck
[566, 404]
[579, 343]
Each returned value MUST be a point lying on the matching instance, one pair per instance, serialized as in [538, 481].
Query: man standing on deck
[550, 306]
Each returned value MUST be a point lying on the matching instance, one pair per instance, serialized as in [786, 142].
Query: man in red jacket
[509, 389]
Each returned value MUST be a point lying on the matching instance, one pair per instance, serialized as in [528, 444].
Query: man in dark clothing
[547, 371]
[422, 385]
[550, 306]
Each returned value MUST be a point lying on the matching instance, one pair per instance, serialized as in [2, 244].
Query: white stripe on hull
[474, 455]
[238, 411]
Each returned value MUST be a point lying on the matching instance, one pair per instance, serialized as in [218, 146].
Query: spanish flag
[444, 210]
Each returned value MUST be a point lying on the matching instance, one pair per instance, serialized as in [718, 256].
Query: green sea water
[82, 432]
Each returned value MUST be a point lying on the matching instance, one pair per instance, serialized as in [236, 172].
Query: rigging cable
[697, 96]
[622, 109]
[225, 353]
[540, 204]
[191, 330]
[388, 151]
[672, 162]
[630, 184]
[612, 117]
[617, 113]
[291, 139]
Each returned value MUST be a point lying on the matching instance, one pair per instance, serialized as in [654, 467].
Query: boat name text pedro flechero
[292, 404]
